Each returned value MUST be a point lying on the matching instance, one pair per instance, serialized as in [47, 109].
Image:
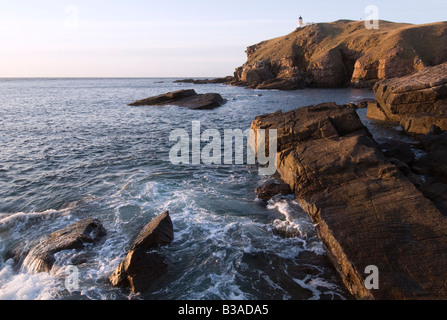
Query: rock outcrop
[270, 190]
[39, 255]
[367, 212]
[142, 267]
[183, 98]
[342, 53]
[418, 101]
[206, 81]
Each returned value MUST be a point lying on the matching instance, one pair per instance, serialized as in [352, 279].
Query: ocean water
[72, 149]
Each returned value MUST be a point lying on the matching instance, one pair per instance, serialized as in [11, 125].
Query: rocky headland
[342, 53]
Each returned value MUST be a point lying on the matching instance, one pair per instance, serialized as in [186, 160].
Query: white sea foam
[21, 219]
[25, 286]
[295, 222]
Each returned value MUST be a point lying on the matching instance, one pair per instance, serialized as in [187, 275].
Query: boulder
[183, 98]
[437, 192]
[399, 150]
[436, 147]
[366, 211]
[142, 267]
[39, 256]
[417, 101]
[423, 123]
[270, 190]
[375, 112]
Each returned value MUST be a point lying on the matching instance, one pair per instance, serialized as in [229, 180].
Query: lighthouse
[300, 22]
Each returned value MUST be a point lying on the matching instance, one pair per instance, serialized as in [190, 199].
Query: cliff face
[342, 52]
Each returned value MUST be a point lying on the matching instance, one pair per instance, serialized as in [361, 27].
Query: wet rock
[142, 267]
[366, 210]
[39, 256]
[437, 192]
[183, 98]
[270, 190]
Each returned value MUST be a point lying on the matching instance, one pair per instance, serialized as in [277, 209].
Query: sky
[171, 38]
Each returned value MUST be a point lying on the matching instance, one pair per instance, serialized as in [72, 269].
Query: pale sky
[171, 38]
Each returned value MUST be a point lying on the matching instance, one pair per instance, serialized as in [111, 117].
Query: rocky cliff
[341, 53]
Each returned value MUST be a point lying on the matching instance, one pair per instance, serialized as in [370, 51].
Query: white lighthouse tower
[300, 22]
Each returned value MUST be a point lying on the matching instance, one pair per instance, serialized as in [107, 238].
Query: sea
[72, 149]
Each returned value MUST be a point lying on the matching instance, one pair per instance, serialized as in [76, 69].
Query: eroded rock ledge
[367, 211]
[418, 102]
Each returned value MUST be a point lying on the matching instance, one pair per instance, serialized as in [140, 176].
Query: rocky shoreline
[369, 207]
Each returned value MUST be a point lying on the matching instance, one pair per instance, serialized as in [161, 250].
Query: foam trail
[21, 219]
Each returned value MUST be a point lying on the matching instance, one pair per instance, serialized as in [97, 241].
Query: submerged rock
[141, 268]
[39, 256]
[183, 98]
[366, 211]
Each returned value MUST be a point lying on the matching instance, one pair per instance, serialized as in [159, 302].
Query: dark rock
[398, 149]
[434, 130]
[183, 98]
[141, 269]
[163, 99]
[270, 190]
[436, 147]
[282, 84]
[365, 209]
[421, 166]
[202, 101]
[40, 255]
[225, 80]
[437, 192]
